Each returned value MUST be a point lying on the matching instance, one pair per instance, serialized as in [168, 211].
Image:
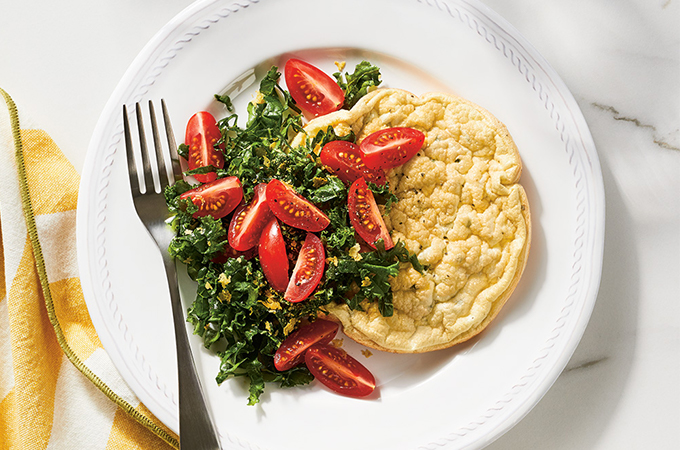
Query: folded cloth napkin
[58, 387]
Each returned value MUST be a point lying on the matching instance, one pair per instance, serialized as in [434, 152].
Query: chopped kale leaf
[358, 84]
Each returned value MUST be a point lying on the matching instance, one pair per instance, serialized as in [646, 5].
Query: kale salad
[273, 233]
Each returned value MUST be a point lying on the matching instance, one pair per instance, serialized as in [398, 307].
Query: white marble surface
[621, 59]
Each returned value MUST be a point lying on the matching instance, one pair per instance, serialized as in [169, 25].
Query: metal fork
[196, 429]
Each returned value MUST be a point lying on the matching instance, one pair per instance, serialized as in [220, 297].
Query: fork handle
[196, 428]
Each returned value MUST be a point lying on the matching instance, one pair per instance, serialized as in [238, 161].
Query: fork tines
[161, 173]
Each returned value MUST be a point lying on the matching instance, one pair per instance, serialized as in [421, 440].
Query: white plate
[464, 397]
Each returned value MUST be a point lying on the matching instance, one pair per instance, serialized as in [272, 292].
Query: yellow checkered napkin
[58, 387]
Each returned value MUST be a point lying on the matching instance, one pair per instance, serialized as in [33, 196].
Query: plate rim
[594, 245]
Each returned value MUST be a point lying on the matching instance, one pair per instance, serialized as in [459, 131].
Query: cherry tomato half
[315, 92]
[339, 371]
[344, 158]
[249, 220]
[308, 270]
[292, 349]
[201, 136]
[365, 216]
[293, 209]
[273, 256]
[216, 198]
[391, 147]
[229, 252]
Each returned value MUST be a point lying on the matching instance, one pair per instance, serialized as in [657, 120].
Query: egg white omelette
[461, 210]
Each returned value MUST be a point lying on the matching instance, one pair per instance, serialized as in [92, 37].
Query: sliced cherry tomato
[345, 159]
[201, 136]
[315, 92]
[273, 256]
[292, 349]
[308, 270]
[217, 198]
[229, 253]
[365, 216]
[293, 209]
[391, 147]
[363, 245]
[339, 371]
[249, 220]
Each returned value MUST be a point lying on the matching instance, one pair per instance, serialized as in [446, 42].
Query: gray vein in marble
[586, 364]
[617, 116]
